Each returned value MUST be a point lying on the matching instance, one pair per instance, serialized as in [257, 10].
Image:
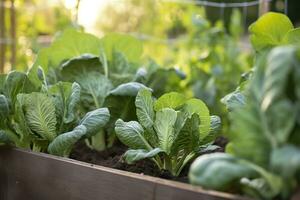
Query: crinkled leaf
[131, 156]
[164, 126]
[188, 139]
[62, 144]
[131, 134]
[144, 108]
[169, 100]
[72, 102]
[145, 114]
[95, 88]
[66, 98]
[95, 120]
[21, 126]
[40, 115]
[120, 70]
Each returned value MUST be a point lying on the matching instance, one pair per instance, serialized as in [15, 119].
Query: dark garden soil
[112, 158]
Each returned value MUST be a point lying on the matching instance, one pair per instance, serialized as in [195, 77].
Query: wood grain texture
[35, 176]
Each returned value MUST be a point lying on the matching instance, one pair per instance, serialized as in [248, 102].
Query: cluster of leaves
[171, 130]
[263, 157]
[44, 120]
[108, 71]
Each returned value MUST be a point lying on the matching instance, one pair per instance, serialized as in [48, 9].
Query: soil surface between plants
[112, 157]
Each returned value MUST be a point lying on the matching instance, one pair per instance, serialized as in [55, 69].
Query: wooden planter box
[37, 176]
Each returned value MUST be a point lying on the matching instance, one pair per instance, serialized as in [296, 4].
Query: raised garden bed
[29, 175]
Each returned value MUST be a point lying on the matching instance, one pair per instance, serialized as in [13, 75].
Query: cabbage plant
[45, 120]
[171, 131]
[263, 159]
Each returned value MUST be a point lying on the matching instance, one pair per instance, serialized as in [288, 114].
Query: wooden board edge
[157, 181]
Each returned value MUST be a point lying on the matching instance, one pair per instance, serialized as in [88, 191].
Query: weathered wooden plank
[28, 175]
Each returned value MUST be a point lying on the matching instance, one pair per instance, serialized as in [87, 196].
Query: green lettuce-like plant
[264, 150]
[171, 131]
[45, 120]
[107, 70]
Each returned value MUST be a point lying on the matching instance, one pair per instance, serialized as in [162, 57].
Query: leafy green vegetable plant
[107, 71]
[171, 131]
[273, 29]
[45, 120]
[264, 149]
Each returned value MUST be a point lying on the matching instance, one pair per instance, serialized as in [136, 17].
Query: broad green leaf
[165, 120]
[221, 171]
[83, 65]
[120, 70]
[281, 62]
[95, 120]
[131, 134]
[218, 171]
[163, 80]
[131, 156]
[128, 45]
[144, 108]
[40, 115]
[67, 45]
[234, 100]
[126, 110]
[128, 89]
[62, 144]
[169, 100]
[249, 137]
[215, 128]
[15, 83]
[4, 107]
[95, 88]
[197, 106]
[269, 30]
[70, 44]
[87, 71]
[286, 161]
[280, 111]
[293, 36]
